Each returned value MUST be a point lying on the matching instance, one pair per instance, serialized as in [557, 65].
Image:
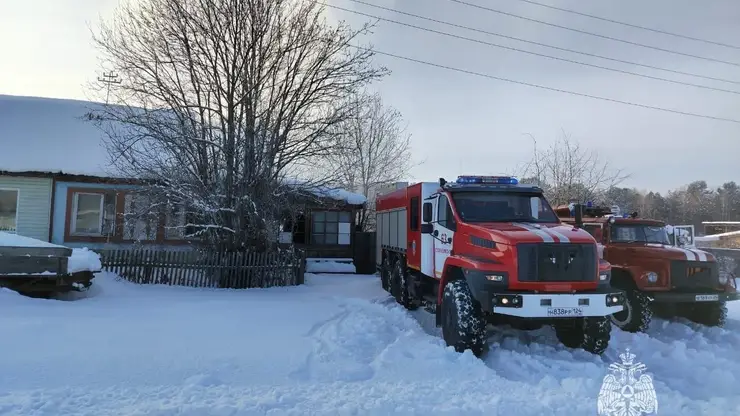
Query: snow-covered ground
[337, 345]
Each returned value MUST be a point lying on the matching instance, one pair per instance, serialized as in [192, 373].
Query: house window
[8, 210]
[331, 227]
[140, 221]
[175, 222]
[94, 214]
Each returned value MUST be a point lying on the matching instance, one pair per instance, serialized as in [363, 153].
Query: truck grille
[694, 275]
[557, 262]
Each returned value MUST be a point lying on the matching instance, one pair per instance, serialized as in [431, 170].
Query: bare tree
[373, 150]
[221, 100]
[569, 172]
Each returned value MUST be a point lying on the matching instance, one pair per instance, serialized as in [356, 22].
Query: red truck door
[444, 226]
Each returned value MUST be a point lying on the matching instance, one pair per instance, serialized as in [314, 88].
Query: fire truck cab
[487, 249]
[657, 277]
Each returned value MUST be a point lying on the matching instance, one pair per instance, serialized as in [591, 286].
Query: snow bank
[337, 345]
[84, 259]
[14, 240]
[329, 267]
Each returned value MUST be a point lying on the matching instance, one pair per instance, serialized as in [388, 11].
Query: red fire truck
[487, 249]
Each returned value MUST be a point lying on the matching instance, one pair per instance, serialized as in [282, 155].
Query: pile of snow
[84, 259]
[337, 345]
[329, 266]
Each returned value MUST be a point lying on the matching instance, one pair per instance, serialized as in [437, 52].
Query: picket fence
[217, 269]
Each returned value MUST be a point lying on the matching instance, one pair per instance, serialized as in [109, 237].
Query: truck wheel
[399, 285]
[597, 333]
[709, 314]
[636, 315]
[592, 334]
[463, 325]
[385, 273]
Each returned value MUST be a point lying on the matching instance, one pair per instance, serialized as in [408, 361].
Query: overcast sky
[464, 124]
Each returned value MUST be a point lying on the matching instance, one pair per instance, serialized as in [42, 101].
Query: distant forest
[690, 204]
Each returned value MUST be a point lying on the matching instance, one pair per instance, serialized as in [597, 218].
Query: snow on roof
[323, 191]
[50, 135]
[341, 195]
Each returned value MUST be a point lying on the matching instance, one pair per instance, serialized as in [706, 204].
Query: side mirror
[426, 216]
[427, 228]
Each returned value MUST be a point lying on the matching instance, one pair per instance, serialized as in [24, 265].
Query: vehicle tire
[399, 285]
[592, 334]
[463, 324]
[597, 333]
[385, 273]
[637, 313]
[709, 314]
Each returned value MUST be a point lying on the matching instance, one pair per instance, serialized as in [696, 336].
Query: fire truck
[657, 277]
[486, 249]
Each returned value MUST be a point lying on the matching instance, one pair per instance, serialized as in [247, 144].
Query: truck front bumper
[556, 305]
[696, 297]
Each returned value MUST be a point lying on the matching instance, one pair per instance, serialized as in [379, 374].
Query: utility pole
[109, 79]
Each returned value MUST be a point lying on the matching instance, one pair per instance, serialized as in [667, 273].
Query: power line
[642, 45]
[546, 45]
[529, 52]
[580, 94]
[604, 19]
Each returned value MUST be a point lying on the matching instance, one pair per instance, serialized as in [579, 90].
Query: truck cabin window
[502, 207]
[635, 233]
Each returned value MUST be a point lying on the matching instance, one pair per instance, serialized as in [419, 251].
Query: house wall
[34, 205]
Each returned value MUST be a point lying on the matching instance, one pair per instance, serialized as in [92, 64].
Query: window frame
[446, 219]
[324, 233]
[17, 207]
[73, 215]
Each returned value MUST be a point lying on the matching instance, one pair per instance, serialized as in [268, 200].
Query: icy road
[335, 346]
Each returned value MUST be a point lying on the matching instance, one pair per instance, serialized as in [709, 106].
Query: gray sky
[467, 124]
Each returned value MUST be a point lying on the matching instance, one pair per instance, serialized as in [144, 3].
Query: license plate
[706, 298]
[564, 312]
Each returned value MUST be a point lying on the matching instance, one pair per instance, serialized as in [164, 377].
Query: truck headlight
[723, 278]
[652, 277]
[603, 276]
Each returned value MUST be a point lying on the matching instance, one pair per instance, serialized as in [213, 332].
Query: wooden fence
[206, 268]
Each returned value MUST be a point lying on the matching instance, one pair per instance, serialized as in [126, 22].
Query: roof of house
[43, 136]
[50, 135]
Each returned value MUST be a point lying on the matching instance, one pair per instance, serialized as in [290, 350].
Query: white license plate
[564, 312]
[706, 298]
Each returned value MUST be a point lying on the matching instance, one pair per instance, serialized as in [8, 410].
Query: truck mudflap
[556, 305]
[694, 297]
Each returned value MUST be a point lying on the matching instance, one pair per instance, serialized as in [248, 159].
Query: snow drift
[338, 345]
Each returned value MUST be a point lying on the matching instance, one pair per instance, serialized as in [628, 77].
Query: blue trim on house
[60, 207]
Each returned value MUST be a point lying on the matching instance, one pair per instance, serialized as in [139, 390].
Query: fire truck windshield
[639, 233]
[475, 207]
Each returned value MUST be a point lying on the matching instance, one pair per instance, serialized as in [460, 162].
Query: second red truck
[486, 249]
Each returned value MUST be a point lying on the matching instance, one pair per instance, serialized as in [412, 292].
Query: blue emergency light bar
[501, 180]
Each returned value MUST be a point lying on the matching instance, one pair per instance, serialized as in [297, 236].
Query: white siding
[34, 206]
